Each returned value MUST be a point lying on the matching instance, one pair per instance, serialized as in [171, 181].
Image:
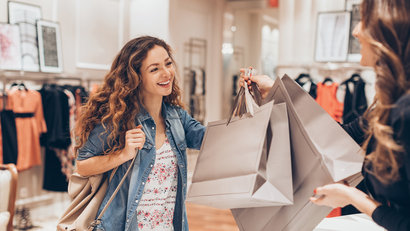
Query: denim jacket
[182, 132]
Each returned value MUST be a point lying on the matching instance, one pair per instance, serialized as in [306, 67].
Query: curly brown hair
[117, 102]
[386, 24]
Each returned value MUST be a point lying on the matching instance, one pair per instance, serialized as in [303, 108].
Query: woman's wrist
[363, 202]
[124, 156]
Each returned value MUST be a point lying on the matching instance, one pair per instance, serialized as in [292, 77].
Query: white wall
[149, 18]
[200, 19]
[92, 32]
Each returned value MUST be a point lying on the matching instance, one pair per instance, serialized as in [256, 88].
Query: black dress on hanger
[355, 103]
[302, 79]
[8, 133]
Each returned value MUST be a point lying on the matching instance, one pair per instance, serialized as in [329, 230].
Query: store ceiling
[248, 4]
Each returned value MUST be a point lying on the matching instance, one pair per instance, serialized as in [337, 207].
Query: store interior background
[237, 33]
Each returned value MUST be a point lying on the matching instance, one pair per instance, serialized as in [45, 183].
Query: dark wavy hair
[386, 25]
[118, 101]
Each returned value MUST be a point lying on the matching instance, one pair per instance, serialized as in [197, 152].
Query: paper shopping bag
[245, 163]
[322, 153]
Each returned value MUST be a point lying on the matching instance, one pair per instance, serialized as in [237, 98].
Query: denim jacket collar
[166, 113]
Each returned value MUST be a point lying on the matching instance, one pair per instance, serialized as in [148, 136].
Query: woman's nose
[356, 30]
[167, 72]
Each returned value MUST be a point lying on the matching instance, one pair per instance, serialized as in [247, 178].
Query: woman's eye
[154, 70]
[169, 63]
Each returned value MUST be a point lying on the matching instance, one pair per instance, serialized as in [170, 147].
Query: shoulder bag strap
[97, 221]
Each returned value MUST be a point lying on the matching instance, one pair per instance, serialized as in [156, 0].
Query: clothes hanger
[304, 78]
[354, 78]
[327, 79]
[13, 84]
[22, 86]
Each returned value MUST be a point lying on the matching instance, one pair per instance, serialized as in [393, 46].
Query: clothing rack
[10, 76]
[326, 67]
[195, 57]
[196, 47]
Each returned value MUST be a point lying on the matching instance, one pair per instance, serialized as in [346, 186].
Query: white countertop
[356, 222]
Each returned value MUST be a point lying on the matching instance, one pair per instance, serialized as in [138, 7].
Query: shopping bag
[322, 153]
[245, 163]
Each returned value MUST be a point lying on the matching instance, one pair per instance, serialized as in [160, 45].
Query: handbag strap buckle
[94, 224]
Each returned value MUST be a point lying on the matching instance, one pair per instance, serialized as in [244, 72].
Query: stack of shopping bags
[266, 164]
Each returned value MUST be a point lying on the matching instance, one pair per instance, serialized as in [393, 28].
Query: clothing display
[57, 117]
[394, 213]
[60, 115]
[30, 124]
[305, 79]
[355, 103]
[326, 97]
[156, 209]
[67, 156]
[197, 94]
[54, 179]
[8, 137]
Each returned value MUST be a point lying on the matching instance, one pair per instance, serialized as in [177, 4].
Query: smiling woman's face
[158, 73]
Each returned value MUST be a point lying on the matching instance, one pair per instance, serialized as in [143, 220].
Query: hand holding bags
[247, 162]
[322, 153]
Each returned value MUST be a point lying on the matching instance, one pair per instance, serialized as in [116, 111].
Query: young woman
[139, 107]
[384, 33]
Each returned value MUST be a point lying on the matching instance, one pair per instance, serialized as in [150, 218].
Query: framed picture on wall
[332, 36]
[10, 50]
[25, 16]
[49, 42]
[354, 45]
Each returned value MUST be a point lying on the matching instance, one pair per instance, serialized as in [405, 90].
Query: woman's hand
[340, 195]
[263, 81]
[134, 138]
[333, 195]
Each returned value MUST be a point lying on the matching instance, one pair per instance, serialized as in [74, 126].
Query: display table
[356, 222]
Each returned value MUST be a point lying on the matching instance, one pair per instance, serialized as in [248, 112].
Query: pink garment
[155, 210]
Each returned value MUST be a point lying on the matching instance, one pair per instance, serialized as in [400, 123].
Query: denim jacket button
[136, 201]
[151, 165]
[143, 183]
[153, 128]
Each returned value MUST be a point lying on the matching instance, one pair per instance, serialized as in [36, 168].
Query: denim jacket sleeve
[194, 131]
[95, 144]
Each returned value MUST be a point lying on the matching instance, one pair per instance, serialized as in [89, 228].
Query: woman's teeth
[164, 83]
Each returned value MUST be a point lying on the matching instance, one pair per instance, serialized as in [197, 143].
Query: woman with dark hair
[384, 33]
[139, 107]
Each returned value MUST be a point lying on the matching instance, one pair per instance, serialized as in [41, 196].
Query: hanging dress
[8, 137]
[326, 97]
[28, 110]
[355, 103]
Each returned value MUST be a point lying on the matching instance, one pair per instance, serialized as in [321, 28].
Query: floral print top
[156, 208]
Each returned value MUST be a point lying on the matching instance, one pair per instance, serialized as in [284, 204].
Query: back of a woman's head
[116, 103]
[386, 26]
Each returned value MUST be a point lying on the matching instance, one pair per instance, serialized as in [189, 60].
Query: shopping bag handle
[245, 101]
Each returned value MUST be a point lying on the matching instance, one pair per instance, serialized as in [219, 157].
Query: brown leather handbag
[87, 194]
